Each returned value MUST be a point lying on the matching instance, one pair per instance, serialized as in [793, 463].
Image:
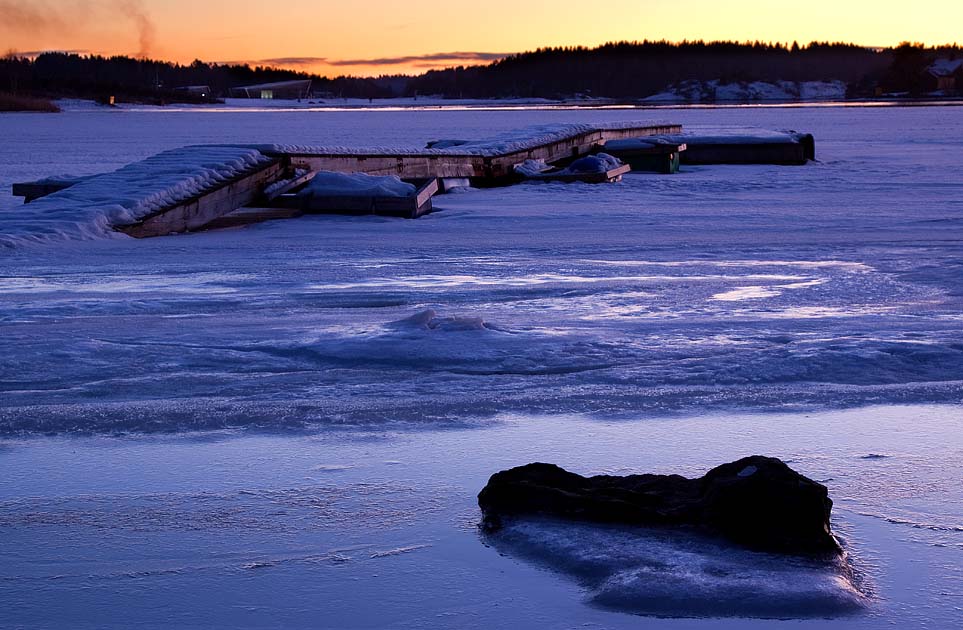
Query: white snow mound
[327, 183]
[672, 574]
[590, 164]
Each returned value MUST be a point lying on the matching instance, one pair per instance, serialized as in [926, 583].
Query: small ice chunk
[748, 471]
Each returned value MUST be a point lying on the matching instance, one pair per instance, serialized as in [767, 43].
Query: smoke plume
[53, 18]
[146, 32]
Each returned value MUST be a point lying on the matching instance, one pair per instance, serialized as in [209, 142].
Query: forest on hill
[56, 74]
[621, 70]
[637, 70]
[631, 70]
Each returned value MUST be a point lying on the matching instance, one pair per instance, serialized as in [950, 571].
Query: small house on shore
[946, 75]
[280, 89]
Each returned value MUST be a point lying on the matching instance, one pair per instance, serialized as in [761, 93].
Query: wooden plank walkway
[198, 211]
[484, 170]
[267, 188]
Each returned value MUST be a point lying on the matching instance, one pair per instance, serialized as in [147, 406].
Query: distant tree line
[639, 69]
[625, 70]
[145, 80]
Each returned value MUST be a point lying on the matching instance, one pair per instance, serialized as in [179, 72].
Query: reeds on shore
[21, 103]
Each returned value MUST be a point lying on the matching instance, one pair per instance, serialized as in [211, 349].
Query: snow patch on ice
[678, 574]
[745, 293]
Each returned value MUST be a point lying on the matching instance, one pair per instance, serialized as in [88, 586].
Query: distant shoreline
[27, 104]
[434, 103]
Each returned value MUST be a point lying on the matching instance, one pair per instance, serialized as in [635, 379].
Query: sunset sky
[390, 36]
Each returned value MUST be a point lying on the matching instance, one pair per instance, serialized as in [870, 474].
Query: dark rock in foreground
[758, 502]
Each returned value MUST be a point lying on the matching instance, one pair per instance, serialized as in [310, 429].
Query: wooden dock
[199, 211]
[481, 169]
[268, 190]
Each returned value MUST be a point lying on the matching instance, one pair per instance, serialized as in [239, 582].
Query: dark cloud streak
[426, 60]
[293, 61]
[33, 54]
[432, 60]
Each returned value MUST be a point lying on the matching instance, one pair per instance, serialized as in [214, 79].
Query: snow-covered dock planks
[200, 210]
[573, 146]
[486, 163]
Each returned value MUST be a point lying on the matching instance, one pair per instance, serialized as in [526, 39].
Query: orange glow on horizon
[382, 37]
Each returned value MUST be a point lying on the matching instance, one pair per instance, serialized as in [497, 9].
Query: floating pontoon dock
[209, 186]
[486, 163]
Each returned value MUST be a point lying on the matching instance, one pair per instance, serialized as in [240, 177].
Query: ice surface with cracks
[569, 323]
